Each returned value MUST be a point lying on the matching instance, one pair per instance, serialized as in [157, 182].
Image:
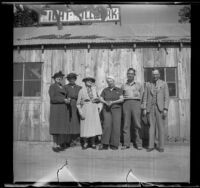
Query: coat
[91, 126]
[74, 119]
[59, 116]
[162, 96]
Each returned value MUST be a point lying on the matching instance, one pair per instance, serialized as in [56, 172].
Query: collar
[131, 83]
[114, 88]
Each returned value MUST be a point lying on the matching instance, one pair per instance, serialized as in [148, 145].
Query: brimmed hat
[71, 75]
[89, 78]
[58, 74]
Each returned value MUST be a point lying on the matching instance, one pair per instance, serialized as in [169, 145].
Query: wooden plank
[137, 64]
[148, 57]
[183, 59]
[171, 57]
[172, 126]
[184, 108]
[159, 57]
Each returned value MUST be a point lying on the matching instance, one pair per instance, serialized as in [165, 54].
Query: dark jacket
[59, 116]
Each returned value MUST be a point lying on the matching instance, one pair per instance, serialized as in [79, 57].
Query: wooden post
[159, 46]
[88, 47]
[181, 46]
[65, 47]
[111, 47]
[42, 48]
[166, 51]
[18, 49]
[134, 47]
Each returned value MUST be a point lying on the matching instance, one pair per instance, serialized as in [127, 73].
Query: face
[155, 75]
[130, 75]
[110, 82]
[72, 80]
[88, 83]
[58, 80]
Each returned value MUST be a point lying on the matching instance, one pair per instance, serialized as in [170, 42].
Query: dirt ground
[37, 162]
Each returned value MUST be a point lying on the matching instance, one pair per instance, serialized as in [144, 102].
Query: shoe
[160, 149]
[150, 149]
[93, 146]
[85, 146]
[103, 147]
[139, 148]
[114, 147]
[125, 147]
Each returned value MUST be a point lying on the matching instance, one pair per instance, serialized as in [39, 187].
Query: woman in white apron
[90, 125]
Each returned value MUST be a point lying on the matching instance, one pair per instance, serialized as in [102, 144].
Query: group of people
[75, 112]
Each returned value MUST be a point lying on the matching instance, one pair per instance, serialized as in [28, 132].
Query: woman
[59, 120]
[111, 97]
[72, 91]
[88, 109]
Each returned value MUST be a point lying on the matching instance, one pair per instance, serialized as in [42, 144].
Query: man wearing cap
[132, 92]
[155, 106]
[72, 90]
[112, 98]
[58, 124]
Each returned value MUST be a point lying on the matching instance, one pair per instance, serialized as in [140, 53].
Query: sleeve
[166, 96]
[55, 99]
[79, 101]
[144, 97]
[141, 91]
[120, 92]
[103, 94]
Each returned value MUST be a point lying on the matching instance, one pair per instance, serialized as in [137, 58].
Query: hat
[89, 78]
[58, 74]
[71, 75]
[110, 77]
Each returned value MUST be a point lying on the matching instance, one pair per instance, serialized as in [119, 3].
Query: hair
[131, 69]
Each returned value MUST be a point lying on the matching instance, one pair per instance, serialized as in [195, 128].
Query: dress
[74, 119]
[91, 125]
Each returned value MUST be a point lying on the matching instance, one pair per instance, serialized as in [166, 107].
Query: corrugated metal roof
[98, 33]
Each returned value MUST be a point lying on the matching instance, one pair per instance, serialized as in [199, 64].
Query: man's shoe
[150, 149]
[103, 147]
[160, 149]
[114, 147]
[125, 147]
[139, 148]
[85, 146]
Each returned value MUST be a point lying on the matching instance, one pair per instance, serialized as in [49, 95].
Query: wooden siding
[31, 115]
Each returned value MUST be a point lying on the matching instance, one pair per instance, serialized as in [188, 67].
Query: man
[155, 106]
[111, 97]
[132, 92]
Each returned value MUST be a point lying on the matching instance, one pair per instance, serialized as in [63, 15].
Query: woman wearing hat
[72, 91]
[88, 109]
[58, 112]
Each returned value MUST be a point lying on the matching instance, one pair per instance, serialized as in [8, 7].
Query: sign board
[68, 16]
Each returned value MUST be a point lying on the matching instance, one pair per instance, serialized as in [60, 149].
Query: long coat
[74, 119]
[59, 116]
[162, 98]
[91, 126]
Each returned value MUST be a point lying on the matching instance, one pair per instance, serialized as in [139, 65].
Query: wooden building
[99, 50]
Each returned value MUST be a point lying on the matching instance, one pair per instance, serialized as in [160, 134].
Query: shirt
[133, 90]
[113, 94]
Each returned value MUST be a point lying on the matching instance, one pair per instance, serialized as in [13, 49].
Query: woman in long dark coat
[72, 91]
[59, 120]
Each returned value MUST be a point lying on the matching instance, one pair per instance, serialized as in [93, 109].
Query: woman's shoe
[103, 147]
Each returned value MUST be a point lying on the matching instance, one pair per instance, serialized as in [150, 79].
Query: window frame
[23, 70]
[176, 78]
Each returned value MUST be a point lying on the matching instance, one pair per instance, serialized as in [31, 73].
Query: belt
[87, 100]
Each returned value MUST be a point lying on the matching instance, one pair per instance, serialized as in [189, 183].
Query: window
[27, 79]
[167, 74]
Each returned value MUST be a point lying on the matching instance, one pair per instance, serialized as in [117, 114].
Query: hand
[164, 114]
[67, 101]
[109, 103]
[144, 112]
